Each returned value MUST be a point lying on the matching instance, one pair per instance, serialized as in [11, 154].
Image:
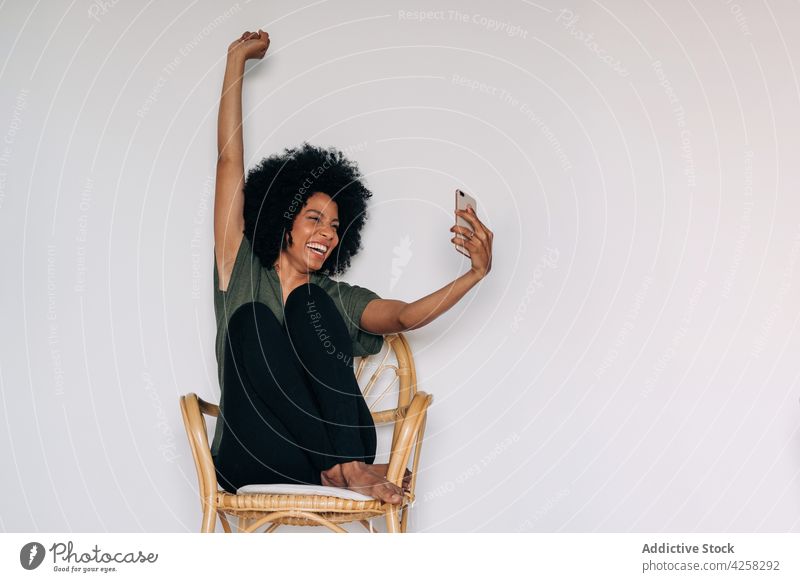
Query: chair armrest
[208, 408]
[414, 414]
[390, 415]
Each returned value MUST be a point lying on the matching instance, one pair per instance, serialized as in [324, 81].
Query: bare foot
[357, 476]
[383, 468]
[333, 477]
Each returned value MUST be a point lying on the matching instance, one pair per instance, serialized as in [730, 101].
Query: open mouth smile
[317, 249]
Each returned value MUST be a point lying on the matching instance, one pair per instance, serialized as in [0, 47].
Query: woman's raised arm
[229, 194]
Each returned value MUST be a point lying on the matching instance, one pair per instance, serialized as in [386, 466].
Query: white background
[626, 366]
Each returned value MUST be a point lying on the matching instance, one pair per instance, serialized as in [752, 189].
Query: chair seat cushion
[294, 489]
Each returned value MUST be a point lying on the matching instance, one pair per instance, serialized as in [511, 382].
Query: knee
[252, 320]
[311, 311]
[307, 297]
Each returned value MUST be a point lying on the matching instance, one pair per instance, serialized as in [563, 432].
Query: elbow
[404, 324]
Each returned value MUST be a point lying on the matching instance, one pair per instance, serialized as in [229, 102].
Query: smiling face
[314, 234]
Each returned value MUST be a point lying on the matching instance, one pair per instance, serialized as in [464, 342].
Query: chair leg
[226, 527]
[404, 519]
[241, 524]
[392, 523]
[209, 520]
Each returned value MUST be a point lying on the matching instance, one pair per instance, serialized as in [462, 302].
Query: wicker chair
[255, 505]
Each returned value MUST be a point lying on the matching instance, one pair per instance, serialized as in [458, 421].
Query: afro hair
[277, 189]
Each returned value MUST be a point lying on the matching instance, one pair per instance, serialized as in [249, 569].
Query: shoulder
[351, 299]
[343, 288]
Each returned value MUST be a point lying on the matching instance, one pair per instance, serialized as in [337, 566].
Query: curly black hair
[278, 188]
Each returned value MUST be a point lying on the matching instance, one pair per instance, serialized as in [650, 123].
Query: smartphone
[463, 200]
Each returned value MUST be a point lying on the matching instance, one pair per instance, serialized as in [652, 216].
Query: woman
[291, 409]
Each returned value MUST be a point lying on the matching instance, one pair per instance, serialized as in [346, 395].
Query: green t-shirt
[251, 281]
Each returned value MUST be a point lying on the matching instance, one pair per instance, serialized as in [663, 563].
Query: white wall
[626, 366]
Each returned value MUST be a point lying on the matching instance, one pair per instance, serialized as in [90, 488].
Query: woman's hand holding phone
[477, 240]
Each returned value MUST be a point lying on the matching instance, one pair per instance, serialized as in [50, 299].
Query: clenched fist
[251, 45]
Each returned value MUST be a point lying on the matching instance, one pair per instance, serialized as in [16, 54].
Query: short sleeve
[354, 299]
[242, 263]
